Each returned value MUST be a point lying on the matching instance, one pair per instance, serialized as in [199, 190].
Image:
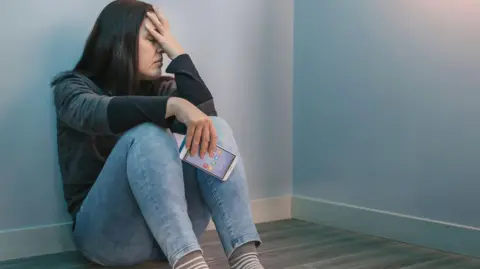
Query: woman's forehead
[145, 22]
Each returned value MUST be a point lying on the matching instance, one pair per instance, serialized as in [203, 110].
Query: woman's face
[150, 54]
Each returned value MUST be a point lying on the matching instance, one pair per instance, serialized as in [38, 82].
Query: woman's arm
[80, 107]
[188, 85]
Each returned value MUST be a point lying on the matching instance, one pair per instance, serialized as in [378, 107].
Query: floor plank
[293, 244]
[277, 238]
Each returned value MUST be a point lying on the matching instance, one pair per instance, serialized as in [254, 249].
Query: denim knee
[148, 132]
[224, 134]
[221, 124]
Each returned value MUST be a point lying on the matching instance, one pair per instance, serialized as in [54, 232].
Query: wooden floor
[296, 245]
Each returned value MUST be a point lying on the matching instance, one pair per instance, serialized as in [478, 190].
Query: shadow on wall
[63, 50]
[30, 190]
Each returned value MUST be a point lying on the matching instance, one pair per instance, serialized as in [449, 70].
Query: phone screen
[217, 165]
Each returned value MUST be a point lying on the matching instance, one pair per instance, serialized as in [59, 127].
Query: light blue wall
[386, 105]
[252, 83]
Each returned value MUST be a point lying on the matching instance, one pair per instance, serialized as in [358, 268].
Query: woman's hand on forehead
[158, 26]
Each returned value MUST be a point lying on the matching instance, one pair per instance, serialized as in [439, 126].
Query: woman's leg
[138, 203]
[229, 204]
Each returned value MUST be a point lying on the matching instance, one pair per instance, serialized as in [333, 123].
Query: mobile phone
[220, 165]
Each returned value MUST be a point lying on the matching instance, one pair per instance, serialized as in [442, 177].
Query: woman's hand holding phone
[201, 133]
[163, 35]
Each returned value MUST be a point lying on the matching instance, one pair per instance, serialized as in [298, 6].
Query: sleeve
[187, 84]
[79, 107]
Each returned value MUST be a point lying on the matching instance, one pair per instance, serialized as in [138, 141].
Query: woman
[130, 196]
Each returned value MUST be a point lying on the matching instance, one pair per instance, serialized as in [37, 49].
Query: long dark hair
[110, 56]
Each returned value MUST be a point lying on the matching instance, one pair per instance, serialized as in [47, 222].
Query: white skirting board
[433, 234]
[34, 241]
[56, 238]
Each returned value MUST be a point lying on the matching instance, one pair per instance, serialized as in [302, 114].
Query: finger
[189, 138]
[156, 22]
[205, 140]
[213, 139]
[196, 139]
[154, 33]
[160, 16]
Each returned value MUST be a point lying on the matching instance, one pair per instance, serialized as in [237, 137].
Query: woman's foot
[192, 260]
[245, 256]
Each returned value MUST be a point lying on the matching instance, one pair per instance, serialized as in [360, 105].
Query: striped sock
[245, 257]
[192, 260]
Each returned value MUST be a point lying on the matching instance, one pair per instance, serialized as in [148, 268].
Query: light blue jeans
[148, 205]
